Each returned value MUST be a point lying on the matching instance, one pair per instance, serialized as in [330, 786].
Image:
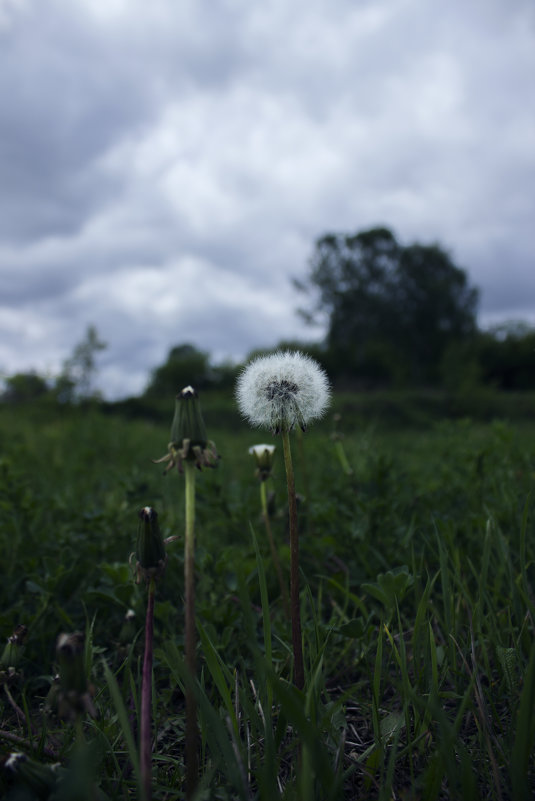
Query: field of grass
[417, 607]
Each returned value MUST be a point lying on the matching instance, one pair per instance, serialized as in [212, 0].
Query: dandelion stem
[146, 697]
[190, 636]
[274, 554]
[299, 673]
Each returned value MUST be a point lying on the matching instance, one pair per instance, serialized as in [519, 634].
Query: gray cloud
[165, 168]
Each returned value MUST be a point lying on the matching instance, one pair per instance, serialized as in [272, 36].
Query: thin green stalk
[192, 732]
[79, 728]
[342, 458]
[299, 673]
[274, 554]
[145, 739]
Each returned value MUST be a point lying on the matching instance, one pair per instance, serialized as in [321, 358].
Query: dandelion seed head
[282, 390]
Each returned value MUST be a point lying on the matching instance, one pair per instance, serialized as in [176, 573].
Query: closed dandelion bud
[188, 424]
[70, 656]
[150, 549]
[73, 694]
[40, 779]
[263, 456]
[128, 629]
[14, 647]
[188, 435]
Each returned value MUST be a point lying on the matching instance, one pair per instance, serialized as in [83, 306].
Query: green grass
[417, 607]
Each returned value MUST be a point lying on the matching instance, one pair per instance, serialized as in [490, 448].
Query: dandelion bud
[263, 455]
[188, 424]
[150, 549]
[188, 435]
[12, 652]
[73, 694]
[70, 654]
[128, 629]
[40, 779]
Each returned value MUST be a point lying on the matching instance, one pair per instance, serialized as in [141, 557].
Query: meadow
[417, 607]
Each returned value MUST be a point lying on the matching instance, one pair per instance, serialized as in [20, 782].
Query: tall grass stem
[274, 554]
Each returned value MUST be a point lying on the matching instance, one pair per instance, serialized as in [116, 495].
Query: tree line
[395, 316]
[406, 315]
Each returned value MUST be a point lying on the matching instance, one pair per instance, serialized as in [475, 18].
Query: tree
[506, 355]
[436, 307]
[22, 387]
[185, 365]
[76, 379]
[391, 310]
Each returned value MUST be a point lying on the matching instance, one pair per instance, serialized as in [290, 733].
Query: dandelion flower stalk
[263, 455]
[146, 697]
[279, 392]
[297, 642]
[150, 566]
[192, 735]
[189, 450]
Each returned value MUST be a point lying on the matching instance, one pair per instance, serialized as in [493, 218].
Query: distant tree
[391, 310]
[224, 374]
[316, 350]
[506, 355]
[22, 387]
[64, 389]
[185, 365]
[436, 307]
[75, 381]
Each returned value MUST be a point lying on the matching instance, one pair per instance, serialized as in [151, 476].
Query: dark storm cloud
[64, 103]
[165, 168]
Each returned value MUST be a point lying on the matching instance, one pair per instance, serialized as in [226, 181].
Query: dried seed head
[283, 390]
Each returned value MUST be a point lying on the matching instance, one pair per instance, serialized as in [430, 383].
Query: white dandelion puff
[260, 450]
[282, 390]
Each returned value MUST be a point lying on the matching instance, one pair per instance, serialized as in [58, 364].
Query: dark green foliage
[187, 365]
[24, 387]
[392, 310]
[76, 379]
[506, 356]
[417, 607]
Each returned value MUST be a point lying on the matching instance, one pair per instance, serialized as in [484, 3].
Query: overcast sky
[166, 166]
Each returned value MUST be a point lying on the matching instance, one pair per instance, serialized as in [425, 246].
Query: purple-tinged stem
[192, 732]
[146, 699]
[299, 671]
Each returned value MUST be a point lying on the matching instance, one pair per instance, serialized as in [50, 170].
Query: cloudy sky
[166, 166]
